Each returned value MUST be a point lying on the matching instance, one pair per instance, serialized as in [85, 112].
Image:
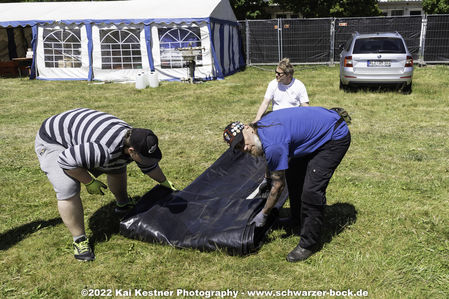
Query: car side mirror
[341, 47]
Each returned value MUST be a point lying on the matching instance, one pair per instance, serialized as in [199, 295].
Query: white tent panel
[98, 11]
[169, 62]
[62, 53]
[207, 68]
[119, 52]
[116, 40]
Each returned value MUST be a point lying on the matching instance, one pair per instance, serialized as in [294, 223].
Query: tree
[13, 1]
[355, 8]
[436, 6]
[332, 8]
[244, 9]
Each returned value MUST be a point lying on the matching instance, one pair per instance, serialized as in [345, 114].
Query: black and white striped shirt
[93, 139]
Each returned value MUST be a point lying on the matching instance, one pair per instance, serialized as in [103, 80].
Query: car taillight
[409, 61]
[348, 61]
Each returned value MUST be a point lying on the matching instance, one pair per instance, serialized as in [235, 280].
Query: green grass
[393, 183]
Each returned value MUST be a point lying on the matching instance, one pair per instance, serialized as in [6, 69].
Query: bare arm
[79, 174]
[277, 186]
[157, 174]
[262, 108]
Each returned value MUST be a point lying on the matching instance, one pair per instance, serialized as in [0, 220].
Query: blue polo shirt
[296, 132]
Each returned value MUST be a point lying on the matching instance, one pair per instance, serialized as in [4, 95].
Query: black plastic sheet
[213, 212]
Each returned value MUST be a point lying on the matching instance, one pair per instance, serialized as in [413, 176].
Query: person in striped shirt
[77, 146]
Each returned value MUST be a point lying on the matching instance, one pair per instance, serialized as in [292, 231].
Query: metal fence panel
[408, 27]
[318, 40]
[306, 41]
[436, 47]
[263, 43]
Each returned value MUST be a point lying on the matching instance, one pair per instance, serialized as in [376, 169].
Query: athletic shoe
[82, 250]
[123, 208]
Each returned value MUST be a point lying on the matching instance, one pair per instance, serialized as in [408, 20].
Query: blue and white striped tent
[115, 40]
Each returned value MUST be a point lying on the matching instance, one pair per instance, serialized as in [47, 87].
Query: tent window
[171, 39]
[120, 49]
[62, 48]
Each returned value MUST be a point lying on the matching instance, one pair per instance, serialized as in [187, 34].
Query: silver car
[376, 59]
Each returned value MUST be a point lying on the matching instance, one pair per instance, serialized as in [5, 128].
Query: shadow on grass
[103, 224]
[336, 218]
[378, 89]
[15, 235]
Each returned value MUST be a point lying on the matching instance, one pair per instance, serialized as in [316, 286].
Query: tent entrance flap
[214, 212]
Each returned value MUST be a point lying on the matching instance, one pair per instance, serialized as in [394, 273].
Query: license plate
[379, 63]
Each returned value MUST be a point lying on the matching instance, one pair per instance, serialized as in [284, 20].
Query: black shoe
[299, 254]
[82, 250]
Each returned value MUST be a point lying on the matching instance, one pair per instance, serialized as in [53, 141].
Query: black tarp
[213, 212]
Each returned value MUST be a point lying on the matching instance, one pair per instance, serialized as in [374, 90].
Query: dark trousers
[307, 179]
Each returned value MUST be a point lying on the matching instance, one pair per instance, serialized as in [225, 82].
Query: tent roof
[133, 11]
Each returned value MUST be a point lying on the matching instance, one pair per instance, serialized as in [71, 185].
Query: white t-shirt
[286, 96]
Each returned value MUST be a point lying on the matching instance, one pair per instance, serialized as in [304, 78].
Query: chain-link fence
[309, 41]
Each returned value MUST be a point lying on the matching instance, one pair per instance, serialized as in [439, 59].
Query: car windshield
[378, 45]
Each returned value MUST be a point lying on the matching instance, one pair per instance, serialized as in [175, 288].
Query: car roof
[377, 34]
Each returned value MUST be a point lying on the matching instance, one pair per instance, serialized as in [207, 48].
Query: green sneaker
[82, 250]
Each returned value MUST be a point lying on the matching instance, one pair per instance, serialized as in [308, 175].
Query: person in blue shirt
[302, 146]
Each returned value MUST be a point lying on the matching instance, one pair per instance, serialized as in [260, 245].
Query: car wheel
[406, 88]
[343, 87]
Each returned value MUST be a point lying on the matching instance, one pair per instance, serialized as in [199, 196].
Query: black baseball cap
[233, 133]
[145, 142]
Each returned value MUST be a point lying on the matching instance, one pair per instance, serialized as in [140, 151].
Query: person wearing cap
[284, 91]
[77, 146]
[302, 146]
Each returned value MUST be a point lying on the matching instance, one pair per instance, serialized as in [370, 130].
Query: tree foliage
[332, 8]
[244, 9]
[12, 1]
[256, 9]
[436, 6]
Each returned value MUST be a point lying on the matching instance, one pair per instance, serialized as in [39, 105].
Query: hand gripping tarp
[213, 212]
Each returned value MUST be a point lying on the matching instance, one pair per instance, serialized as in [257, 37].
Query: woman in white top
[284, 91]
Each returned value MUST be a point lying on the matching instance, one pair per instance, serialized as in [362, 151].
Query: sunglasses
[279, 74]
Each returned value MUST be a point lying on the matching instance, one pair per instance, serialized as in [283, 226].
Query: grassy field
[388, 199]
